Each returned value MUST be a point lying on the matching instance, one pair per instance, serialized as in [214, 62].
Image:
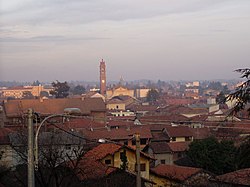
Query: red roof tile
[164, 118]
[53, 106]
[200, 133]
[159, 147]
[240, 177]
[90, 169]
[178, 131]
[74, 123]
[117, 134]
[179, 173]
[159, 136]
[102, 151]
[178, 146]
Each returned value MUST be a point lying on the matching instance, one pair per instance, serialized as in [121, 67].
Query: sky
[65, 40]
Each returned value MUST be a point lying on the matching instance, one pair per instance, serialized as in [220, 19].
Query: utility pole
[31, 176]
[138, 165]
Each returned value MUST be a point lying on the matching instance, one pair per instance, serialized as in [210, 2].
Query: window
[179, 155]
[68, 147]
[108, 161]
[163, 162]
[173, 139]
[143, 167]
[122, 154]
[143, 141]
[126, 143]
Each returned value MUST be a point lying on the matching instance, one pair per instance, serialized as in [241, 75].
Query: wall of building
[168, 157]
[160, 181]
[119, 91]
[116, 106]
[131, 157]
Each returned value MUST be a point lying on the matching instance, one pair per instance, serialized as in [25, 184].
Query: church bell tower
[102, 77]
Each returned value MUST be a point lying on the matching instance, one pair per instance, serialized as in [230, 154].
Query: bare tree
[56, 151]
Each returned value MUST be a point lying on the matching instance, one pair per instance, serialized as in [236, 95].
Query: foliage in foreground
[242, 93]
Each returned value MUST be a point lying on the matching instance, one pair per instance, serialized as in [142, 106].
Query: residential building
[171, 175]
[110, 154]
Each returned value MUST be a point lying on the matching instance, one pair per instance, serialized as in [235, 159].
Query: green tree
[215, 86]
[78, 90]
[242, 93]
[243, 154]
[152, 95]
[61, 89]
[221, 98]
[44, 94]
[211, 155]
[36, 83]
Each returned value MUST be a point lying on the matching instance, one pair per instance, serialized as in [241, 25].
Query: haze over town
[168, 40]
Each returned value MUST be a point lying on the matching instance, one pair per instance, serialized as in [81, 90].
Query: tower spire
[102, 77]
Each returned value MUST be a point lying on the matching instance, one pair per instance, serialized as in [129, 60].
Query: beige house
[110, 154]
[116, 104]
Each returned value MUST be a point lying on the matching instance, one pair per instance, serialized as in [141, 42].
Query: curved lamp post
[37, 133]
[67, 113]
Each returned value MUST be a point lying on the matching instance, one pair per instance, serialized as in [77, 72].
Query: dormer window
[108, 161]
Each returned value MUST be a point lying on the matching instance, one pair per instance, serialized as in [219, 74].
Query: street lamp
[67, 113]
[37, 133]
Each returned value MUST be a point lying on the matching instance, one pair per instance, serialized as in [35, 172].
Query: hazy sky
[49, 40]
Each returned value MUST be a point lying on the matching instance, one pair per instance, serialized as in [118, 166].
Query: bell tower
[102, 77]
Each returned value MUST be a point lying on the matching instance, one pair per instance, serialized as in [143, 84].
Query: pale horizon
[155, 40]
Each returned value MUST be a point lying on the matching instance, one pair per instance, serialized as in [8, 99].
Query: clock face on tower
[103, 81]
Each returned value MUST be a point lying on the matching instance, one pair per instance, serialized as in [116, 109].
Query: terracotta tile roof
[102, 151]
[117, 134]
[159, 136]
[53, 106]
[120, 123]
[201, 133]
[239, 177]
[176, 109]
[164, 118]
[179, 101]
[115, 101]
[74, 123]
[158, 127]
[178, 146]
[178, 131]
[139, 108]
[160, 147]
[173, 172]
[90, 169]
